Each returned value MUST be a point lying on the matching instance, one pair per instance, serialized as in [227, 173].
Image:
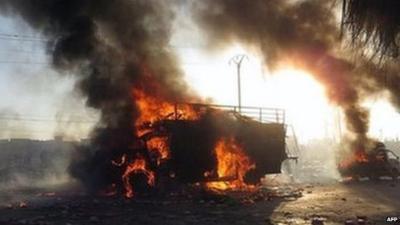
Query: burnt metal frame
[260, 114]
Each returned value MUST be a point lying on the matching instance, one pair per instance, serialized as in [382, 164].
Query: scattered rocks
[318, 220]
[349, 222]
[23, 205]
[361, 220]
[287, 214]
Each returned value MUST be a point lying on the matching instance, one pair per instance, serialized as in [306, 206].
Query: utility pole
[238, 59]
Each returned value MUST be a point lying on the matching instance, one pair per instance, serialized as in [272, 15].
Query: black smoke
[305, 34]
[113, 47]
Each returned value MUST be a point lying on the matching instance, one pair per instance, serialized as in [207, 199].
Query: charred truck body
[179, 144]
[220, 144]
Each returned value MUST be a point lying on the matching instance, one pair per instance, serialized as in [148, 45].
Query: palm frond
[374, 23]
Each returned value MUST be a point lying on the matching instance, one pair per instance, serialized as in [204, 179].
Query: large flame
[152, 109]
[160, 146]
[233, 164]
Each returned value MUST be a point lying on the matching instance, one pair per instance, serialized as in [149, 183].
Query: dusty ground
[338, 202]
[297, 204]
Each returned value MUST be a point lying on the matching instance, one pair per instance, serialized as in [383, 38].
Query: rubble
[267, 205]
[23, 205]
[318, 221]
[361, 220]
[349, 222]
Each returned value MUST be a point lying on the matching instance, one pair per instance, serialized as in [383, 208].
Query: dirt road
[336, 203]
[332, 203]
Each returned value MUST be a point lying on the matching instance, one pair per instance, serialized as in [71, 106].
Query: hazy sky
[37, 102]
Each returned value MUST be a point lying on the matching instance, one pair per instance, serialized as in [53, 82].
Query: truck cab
[384, 161]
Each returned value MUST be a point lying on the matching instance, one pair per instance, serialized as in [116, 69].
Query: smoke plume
[304, 34]
[114, 47]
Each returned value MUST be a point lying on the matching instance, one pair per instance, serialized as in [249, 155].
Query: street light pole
[238, 59]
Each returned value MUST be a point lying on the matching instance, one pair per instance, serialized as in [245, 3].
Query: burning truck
[214, 146]
[377, 162]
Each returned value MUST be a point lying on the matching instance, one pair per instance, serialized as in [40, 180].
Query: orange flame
[358, 157]
[152, 109]
[138, 166]
[232, 163]
[160, 145]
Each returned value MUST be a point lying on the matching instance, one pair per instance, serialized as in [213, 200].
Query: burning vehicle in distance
[377, 162]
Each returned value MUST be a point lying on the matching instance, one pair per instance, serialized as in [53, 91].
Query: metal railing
[260, 114]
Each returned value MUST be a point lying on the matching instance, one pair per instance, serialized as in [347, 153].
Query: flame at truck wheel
[231, 162]
[139, 165]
